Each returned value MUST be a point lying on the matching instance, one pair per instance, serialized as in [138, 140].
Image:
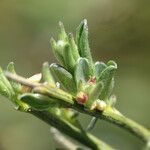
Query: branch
[63, 141]
[109, 114]
[65, 127]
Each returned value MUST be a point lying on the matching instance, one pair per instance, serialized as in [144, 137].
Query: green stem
[65, 127]
[109, 114]
[117, 118]
[114, 116]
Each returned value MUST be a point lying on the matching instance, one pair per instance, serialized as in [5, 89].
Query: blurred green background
[119, 30]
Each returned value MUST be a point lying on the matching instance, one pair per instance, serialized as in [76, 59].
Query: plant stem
[114, 116]
[62, 141]
[65, 127]
[109, 114]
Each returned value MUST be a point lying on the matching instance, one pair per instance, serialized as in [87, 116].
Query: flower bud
[92, 80]
[81, 98]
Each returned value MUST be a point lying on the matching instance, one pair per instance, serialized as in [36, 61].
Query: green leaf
[93, 92]
[112, 63]
[57, 50]
[16, 86]
[73, 46]
[82, 41]
[46, 74]
[6, 82]
[62, 34]
[107, 77]
[99, 67]
[4, 90]
[68, 58]
[62, 76]
[55, 93]
[82, 71]
[79, 32]
[38, 101]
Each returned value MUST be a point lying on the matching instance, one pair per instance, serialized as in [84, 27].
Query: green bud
[99, 67]
[38, 101]
[62, 76]
[82, 41]
[73, 47]
[68, 57]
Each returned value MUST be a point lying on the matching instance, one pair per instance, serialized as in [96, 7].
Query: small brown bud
[92, 80]
[81, 97]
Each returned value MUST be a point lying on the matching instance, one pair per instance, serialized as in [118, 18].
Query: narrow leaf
[57, 50]
[73, 47]
[16, 86]
[111, 62]
[83, 42]
[38, 101]
[93, 93]
[62, 76]
[68, 58]
[4, 90]
[55, 93]
[46, 74]
[62, 34]
[6, 82]
[107, 77]
[82, 71]
[99, 67]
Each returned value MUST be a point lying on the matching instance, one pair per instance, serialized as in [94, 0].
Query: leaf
[38, 101]
[62, 76]
[4, 90]
[82, 41]
[93, 92]
[46, 74]
[112, 63]
[99, 67]
[73, 46]
[55, 93]
[82, 71]
[68, 58]
[107, 77]
[16, 86]
[5, 82]
[57, 50]
[62, 34]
